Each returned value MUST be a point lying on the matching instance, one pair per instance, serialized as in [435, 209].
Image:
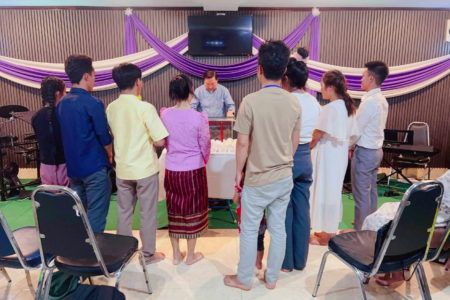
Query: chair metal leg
[27, 274]
[5, 274]
[425, 171]
[231, 211]
[144, 269]
[118, 279]
[48, 283]
[361, 280]
[389, 178]
[40, 284]
[422, 281]
[319, 276]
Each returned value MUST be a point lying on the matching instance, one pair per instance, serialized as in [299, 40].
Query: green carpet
[19, 213]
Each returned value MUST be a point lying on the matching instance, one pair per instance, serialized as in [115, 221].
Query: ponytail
[336, 79]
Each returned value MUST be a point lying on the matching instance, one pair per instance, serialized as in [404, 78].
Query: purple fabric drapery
[101, 77]
[237, 71]
[394, 81]
[130, 37]
[226, 73]
[314, 46]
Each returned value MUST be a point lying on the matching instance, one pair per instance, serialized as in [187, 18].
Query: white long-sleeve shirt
[371, 117]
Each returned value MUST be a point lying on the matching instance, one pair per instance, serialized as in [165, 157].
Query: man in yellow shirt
[136, 128]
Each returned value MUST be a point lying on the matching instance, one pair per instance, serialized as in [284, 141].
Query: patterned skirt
[187, 203]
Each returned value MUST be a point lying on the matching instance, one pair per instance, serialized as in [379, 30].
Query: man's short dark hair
[125, 75]
[379, 70]
[273, 58]
[210, 74]
[76, 66]
[303, 52]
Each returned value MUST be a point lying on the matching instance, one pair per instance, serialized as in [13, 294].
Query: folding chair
[19, 249]
[64, 230]
[403, 242]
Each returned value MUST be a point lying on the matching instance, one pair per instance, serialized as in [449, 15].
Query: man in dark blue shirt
[86, 140]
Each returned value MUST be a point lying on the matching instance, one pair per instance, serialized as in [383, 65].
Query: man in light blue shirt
[213, 98]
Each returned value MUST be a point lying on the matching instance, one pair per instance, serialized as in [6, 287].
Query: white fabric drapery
[109, 64]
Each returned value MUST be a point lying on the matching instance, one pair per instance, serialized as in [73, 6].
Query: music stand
[393, 137]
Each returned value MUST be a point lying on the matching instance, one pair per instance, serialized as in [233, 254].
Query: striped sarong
[187, 203]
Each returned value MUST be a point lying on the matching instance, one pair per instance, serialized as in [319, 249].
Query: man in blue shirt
[86, 140]
[213, 97]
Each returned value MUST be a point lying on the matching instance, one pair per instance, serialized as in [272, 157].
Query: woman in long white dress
[337, 125]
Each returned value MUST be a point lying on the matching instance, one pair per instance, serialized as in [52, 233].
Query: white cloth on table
[330, 159]
[388, 210]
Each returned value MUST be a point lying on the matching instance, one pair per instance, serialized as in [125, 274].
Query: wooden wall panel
[348, 38]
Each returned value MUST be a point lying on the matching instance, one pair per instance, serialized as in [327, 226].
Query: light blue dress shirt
[213, 103]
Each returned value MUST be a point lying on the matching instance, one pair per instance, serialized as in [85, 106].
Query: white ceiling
[243, 3]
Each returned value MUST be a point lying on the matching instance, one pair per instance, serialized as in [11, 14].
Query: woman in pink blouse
[188, 148]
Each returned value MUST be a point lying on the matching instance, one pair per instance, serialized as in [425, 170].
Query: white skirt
[330, 160]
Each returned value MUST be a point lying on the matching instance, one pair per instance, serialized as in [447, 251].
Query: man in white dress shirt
[366, 158]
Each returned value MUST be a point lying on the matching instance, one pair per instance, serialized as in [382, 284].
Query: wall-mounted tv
[220, 35]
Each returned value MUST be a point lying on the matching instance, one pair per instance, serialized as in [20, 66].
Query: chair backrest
[8, 244]
[413, 226]
[62, 224]
[421, 133]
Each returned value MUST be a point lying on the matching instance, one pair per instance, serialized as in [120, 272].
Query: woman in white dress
[337, 125]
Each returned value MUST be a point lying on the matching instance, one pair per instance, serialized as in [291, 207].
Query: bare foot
[179, 258]
[259, 258]
[270, 287]
[319, 234]
[322, 240]
[387, 279]
[346, 230]
[197, 257]
[157, 257]
[232, 281]
[286, 270]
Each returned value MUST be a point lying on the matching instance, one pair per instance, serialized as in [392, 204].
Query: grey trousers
[145, 190]
[275, 197]
[365, 164]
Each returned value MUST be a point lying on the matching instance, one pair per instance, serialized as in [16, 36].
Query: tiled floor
[221, 249]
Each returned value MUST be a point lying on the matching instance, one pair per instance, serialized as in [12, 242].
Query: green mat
[19, 213]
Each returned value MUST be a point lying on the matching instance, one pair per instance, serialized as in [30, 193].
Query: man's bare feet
[232, 281]
[387, 279]
[179, 258]
[196, 258]
[259, 258]
[270, 287]
[157, 257]
[286, 270]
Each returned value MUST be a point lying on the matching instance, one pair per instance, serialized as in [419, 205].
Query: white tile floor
[221, 248]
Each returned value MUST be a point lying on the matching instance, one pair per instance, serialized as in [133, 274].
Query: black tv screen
[220, 35]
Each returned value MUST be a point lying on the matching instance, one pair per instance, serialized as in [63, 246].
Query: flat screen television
[220, 35]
